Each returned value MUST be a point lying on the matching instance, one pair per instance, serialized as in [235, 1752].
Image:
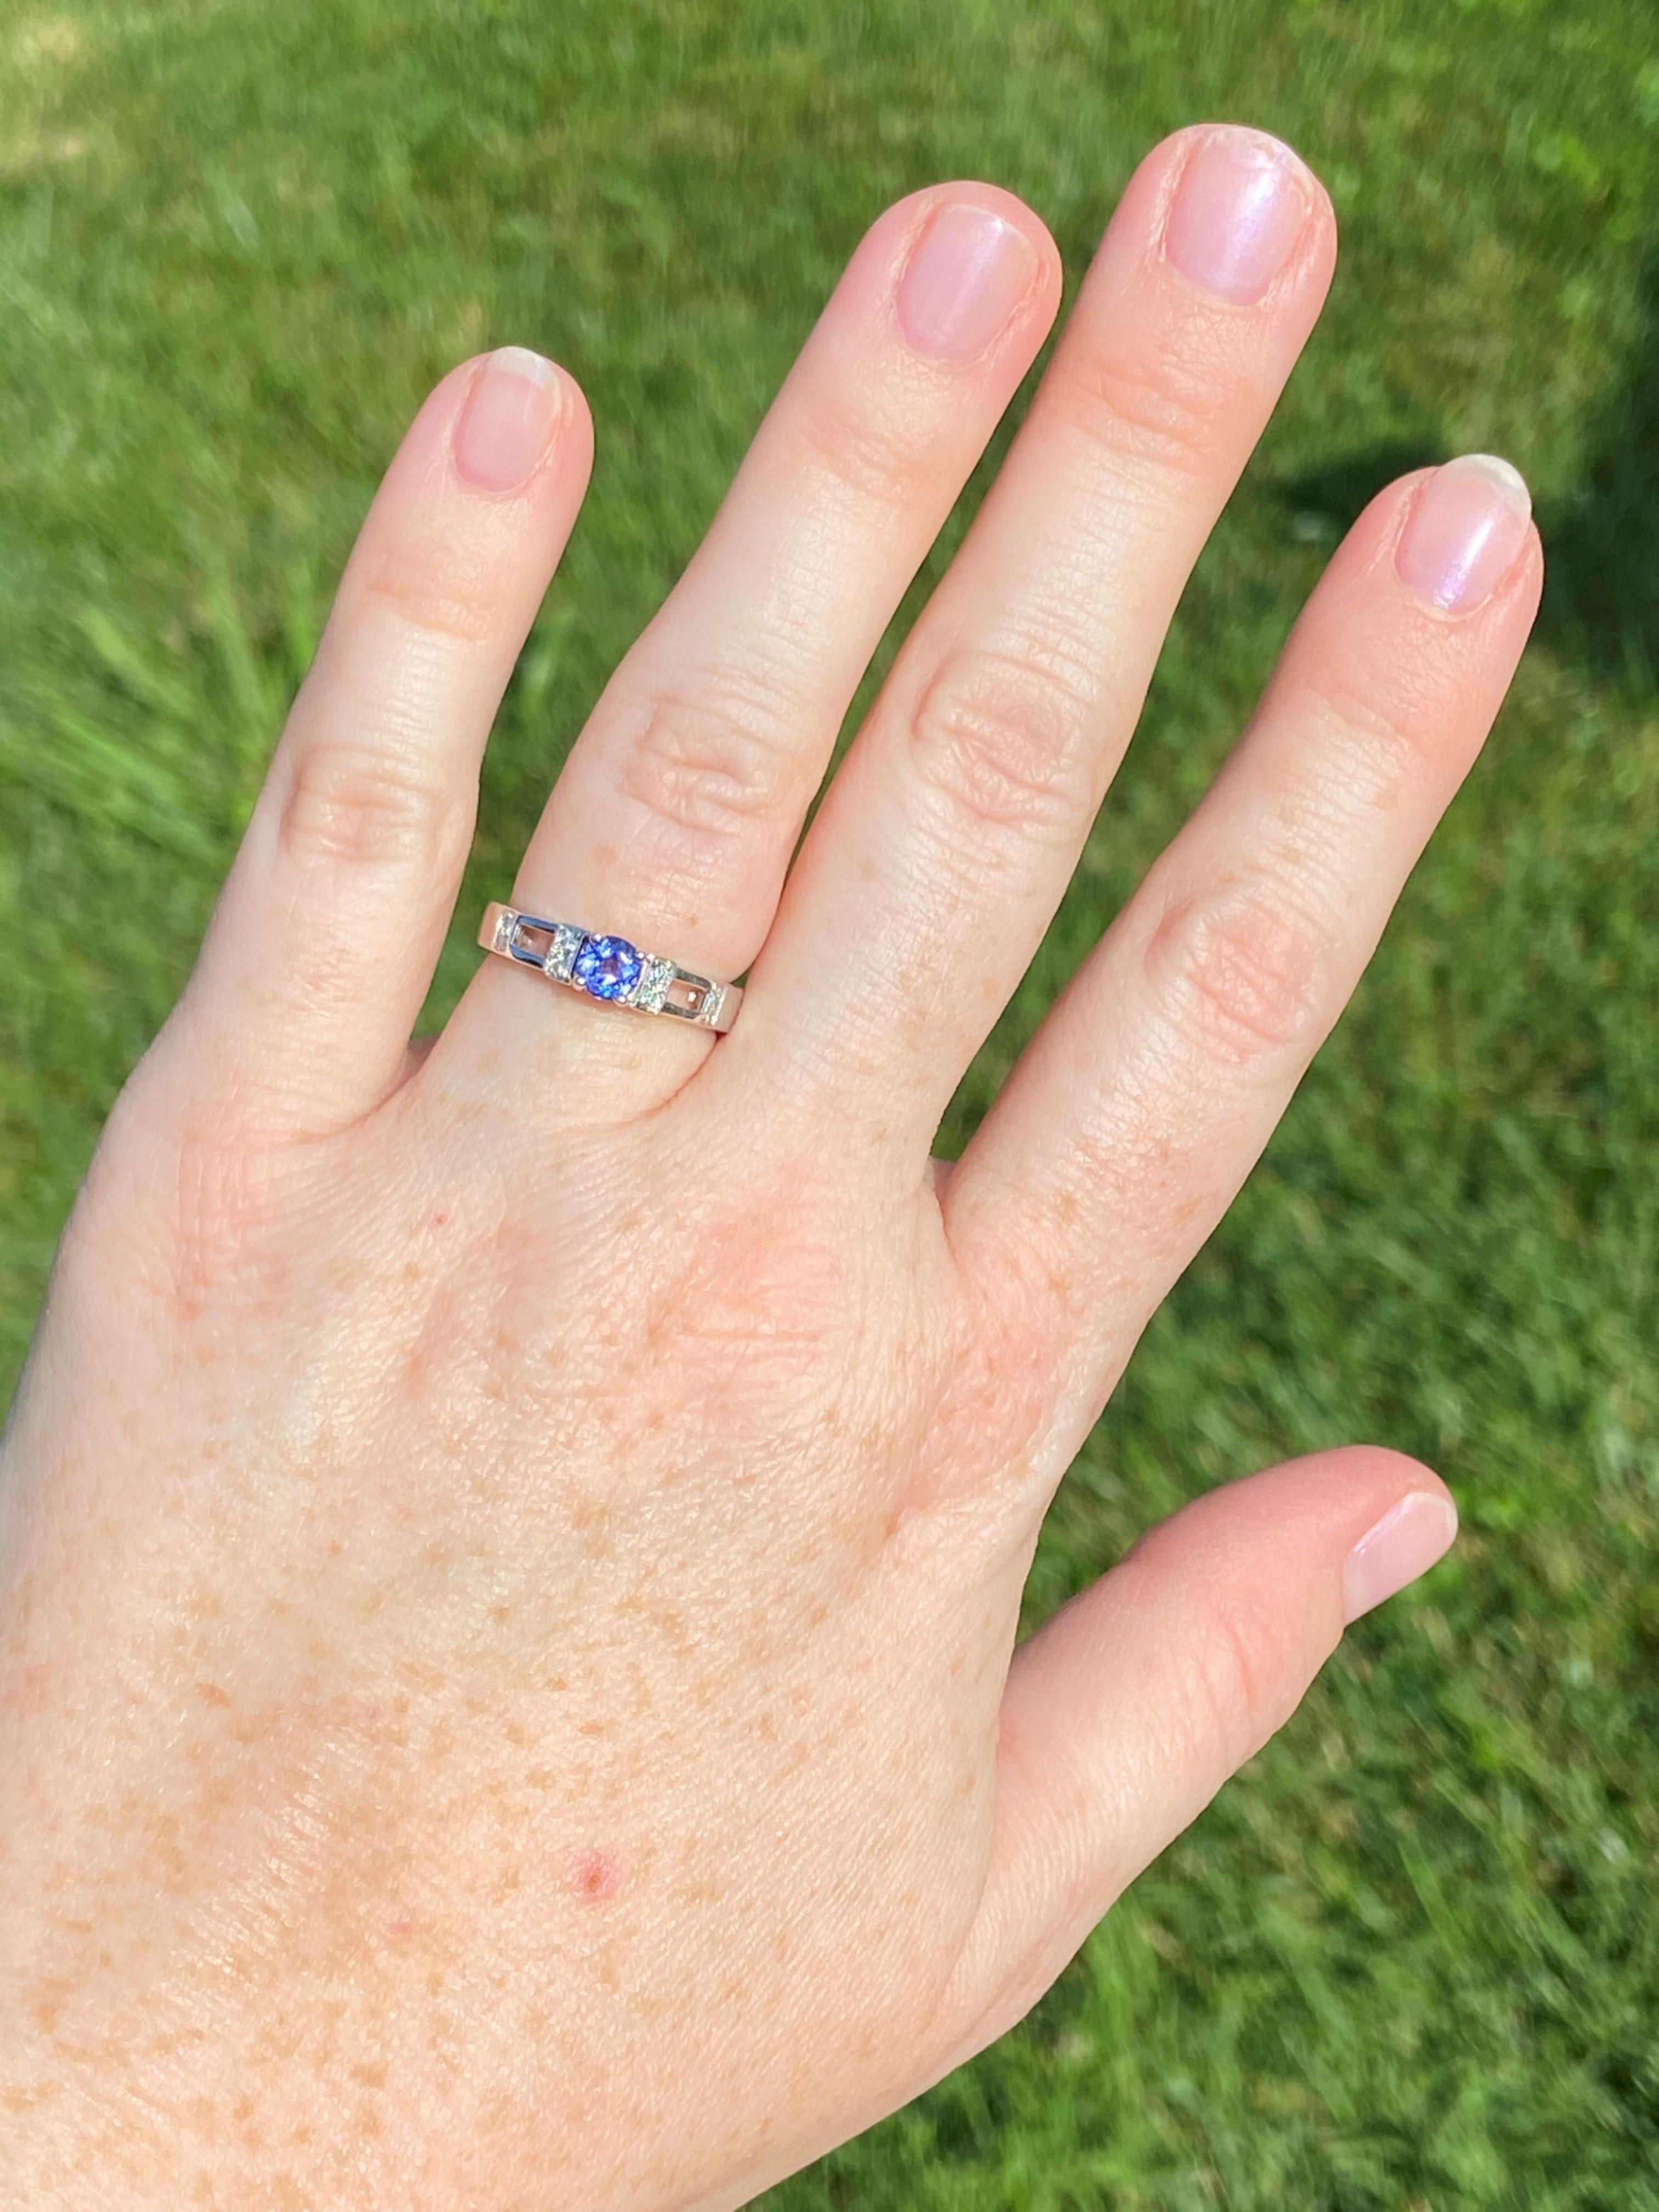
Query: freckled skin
[426, 1587]
[510, 1555]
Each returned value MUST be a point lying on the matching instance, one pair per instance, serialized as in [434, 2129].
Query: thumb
[1124, 1716]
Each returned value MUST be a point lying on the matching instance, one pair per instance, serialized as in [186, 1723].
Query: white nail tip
[1501, 472]
[520, 361]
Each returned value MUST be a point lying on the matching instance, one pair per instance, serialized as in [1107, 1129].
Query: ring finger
[675, 816]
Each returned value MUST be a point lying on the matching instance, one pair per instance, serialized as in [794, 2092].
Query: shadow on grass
[1323, 503]
[1600, 538]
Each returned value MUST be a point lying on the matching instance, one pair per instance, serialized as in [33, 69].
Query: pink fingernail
[1404, 1544]
[1468, 523]
[508, 420]
[967, 274]
[1243, 203]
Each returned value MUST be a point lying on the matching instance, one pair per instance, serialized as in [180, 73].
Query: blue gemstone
[607, 967]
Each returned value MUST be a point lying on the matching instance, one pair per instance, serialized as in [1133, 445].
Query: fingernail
[1468, 523]
[508, 419]
[1243, 201]
[966, 274]
[1405, 1544]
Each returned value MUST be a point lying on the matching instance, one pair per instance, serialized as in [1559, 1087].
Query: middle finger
[946, 841]
[675, 816]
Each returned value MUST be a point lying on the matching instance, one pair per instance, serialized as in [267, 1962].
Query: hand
[511, 1551]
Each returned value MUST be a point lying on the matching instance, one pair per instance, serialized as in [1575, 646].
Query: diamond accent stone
[710, 1012]
[606, 967]
[655, 978]
[562, 953]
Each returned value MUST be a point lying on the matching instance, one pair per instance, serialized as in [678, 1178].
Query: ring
[609, 968]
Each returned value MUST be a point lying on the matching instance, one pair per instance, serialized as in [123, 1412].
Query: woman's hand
[511, 1553]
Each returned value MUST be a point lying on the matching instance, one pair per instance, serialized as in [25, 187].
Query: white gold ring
[608, 968]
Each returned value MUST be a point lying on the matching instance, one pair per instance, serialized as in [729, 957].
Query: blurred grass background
[1411, 1958]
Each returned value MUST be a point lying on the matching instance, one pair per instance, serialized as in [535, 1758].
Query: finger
[675, 816]
[1139, 1108]
[1124, 1716]
[945, 844]
[323, 944]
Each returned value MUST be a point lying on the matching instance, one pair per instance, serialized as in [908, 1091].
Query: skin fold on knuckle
[352, 802]
[1235, 1686]
[1166, 405]
[1241, 973]
[1396, 717]
[448, 590]
[866, 449]
[715, 764]
[999, 737]
[1242, 1664]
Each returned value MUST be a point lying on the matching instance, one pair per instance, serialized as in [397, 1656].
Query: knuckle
[1236, 1694]
[711, 763]
[999, 1382]
[440, 593]
[744, 1314]
[1001, 736]
[227, 1199]
[1241, 970]
[183, 1212]
[860, 453]
[1382, 713]
[1158, 407]
[352, 803]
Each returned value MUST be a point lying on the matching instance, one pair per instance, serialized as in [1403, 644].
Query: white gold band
[608, 968]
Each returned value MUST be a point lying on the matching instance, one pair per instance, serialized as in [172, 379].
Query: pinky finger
[1150, 1089]
[322, 946]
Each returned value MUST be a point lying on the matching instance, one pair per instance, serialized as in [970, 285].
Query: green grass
[1411, 1958]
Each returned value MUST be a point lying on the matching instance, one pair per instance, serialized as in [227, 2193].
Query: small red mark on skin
[402, 1923]
[595, 1878]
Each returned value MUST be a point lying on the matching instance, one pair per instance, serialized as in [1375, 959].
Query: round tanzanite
[607, 967]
